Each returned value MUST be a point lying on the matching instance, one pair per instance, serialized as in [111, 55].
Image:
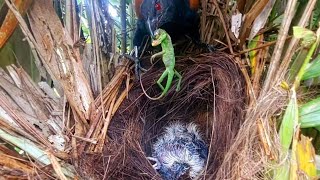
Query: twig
[120, 99]
[224, 26]
[276, 57]
[21, 121]
[56, 166]
[106, 126]
[265, 140]
[85, 139]
[294, 42]
[203, 18]
[104, 96]
[96, 51]
[29, 37]
[214, 120]
[259, 47]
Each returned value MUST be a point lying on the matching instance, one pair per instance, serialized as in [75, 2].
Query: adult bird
[179, 150]
[177, 17]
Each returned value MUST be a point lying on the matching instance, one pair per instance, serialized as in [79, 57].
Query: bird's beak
[150, 28]
[156, 165]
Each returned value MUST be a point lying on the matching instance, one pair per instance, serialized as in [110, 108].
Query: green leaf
[289, 121]
[282, 173]
[309, 114]
[310, 120]
[315, 16]
[286, 132]
[308, 37]
[313, 69]
[305, 63]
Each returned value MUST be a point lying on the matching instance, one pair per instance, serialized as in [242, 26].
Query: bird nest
[212, 95]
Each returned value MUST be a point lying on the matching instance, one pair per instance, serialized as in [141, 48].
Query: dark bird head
[157, 13]
[179, 18]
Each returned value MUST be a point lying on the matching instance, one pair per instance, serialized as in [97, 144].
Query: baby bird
[179, 150]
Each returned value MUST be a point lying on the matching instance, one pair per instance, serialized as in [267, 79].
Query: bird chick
[179, 150]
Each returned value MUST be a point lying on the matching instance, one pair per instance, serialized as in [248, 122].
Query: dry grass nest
[212, 95]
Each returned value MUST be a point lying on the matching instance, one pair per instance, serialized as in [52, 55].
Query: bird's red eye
[157, 6]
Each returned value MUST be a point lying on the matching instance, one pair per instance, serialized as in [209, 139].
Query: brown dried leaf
[255, 10]
[13, 163]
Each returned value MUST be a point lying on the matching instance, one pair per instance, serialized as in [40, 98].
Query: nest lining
[212, 96]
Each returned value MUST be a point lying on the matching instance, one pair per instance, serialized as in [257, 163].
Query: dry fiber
[212, 95]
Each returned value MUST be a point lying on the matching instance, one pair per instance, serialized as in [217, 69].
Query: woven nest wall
[212, 95]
